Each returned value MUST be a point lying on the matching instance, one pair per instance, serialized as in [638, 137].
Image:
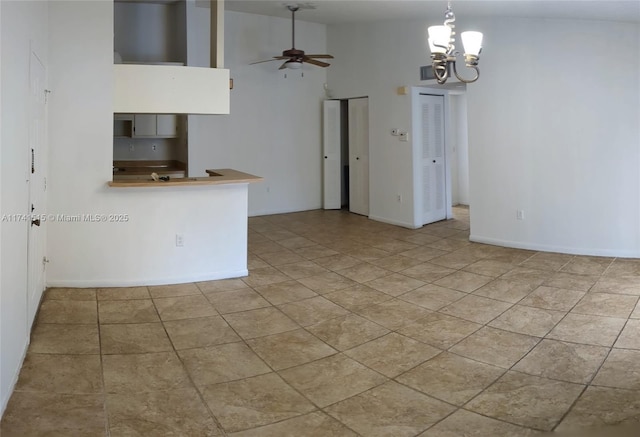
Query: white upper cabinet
[144, 125]
[155, 126]
[167, 125]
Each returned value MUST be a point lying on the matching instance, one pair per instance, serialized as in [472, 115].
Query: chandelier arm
[460, 78]
[440, 67]
[441, 78]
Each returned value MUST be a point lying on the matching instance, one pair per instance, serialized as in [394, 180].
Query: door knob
[35, 222]
[434, 161]
[357, 157]
[325, 157]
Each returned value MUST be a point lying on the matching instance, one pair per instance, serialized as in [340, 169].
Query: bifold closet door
[359, 156]
[331, 130]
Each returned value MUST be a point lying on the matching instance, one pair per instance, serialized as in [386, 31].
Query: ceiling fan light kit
[294, 58]
[293, 65]
[441, 41]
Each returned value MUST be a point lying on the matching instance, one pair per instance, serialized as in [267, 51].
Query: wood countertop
[216, 177]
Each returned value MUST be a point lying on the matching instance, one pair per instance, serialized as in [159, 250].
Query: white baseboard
[553, 248]
[94, 283]
[282, 211]
[394, 222]
[7, 395]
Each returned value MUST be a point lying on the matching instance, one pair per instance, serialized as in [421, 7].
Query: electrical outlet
[179, 240]
[154, 147]
[394, 132]
[519, 214]
[399, 198]
[131, 147]
[404, 136]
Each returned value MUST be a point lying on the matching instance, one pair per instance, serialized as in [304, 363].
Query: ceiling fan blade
[314, 62]
[275, 58]
[260, 62]
[283, 66]
[320, 56]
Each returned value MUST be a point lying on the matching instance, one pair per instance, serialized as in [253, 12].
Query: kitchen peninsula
[180, 230]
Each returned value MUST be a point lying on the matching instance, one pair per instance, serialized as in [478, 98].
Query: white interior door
[37, 185]
[359, 156]
[331, 144]
[433, 159]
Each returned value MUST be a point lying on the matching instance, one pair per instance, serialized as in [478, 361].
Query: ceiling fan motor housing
[293, 53]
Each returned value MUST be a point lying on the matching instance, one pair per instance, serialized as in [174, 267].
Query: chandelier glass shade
[441, 41]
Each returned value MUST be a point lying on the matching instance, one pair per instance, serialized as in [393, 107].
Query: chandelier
[443, 49]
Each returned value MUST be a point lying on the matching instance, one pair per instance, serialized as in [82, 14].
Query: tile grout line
[296, 221]
[184, 369]
[104, 385]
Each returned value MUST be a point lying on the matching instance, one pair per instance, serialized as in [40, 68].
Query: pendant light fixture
[443, 50]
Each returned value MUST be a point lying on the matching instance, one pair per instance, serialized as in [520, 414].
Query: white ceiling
[338, 11]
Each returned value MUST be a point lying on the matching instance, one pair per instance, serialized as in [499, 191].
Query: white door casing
[37, 185]
[359, 156]
[331, 145]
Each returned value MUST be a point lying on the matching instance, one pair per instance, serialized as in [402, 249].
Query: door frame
[416, 125]
[345, 147]
[37, 156]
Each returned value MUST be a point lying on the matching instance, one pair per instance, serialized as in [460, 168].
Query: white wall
[462, 129]
[452, 158]
[554, 130]
[274, 129]
[3, 391]
[373, 59]
[142, 250]
[23, 26]
[4, 386]
[459, 149]
[553, 127]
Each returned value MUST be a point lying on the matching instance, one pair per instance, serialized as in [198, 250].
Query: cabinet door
[167, 125]
[144, 125]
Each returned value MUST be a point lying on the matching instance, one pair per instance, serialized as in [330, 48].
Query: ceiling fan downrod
[293, 10]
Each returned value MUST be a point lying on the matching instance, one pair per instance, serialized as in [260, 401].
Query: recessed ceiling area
[334, 11]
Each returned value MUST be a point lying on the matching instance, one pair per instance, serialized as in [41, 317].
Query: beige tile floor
[344, 327]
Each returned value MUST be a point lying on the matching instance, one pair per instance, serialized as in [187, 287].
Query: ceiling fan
[294, 57]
